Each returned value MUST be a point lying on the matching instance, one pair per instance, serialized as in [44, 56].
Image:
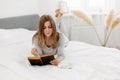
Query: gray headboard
[27, 21]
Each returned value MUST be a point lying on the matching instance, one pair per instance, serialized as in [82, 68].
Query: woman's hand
[34, 51]
[55, 62]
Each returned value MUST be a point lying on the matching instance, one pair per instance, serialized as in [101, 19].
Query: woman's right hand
[34, 51]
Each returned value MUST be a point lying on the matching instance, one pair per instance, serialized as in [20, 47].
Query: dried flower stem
[108, 24]
[97, 35]
[107, 37]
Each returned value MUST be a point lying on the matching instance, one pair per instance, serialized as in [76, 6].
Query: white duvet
[83, 61]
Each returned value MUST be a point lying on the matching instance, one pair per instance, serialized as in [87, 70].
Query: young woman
[48, 40]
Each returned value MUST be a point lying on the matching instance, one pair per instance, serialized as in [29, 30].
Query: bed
[82, 61]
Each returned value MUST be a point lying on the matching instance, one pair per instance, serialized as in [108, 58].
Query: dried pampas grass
[115, 22]
[83, 16]
[109, 19]
[111, 25]
[87, 19]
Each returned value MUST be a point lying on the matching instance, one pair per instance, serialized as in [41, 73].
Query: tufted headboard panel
[27, 21]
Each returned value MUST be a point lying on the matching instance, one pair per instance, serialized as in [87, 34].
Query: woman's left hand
[55, 62]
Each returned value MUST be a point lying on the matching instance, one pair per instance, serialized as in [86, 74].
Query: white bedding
[83, 61]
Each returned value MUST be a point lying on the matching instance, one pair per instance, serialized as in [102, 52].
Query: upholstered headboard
[27, 21]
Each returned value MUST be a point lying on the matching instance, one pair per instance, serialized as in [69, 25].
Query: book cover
[41, 60]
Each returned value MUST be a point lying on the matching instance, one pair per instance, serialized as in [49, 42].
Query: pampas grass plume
[83, 16]
[116, 22]
[109, 19]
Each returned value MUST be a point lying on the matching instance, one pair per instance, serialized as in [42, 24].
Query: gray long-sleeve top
[58, 51]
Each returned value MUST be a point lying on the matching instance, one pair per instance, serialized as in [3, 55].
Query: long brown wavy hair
[40, 32]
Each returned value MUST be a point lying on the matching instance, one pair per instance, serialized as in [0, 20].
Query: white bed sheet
[87, 62]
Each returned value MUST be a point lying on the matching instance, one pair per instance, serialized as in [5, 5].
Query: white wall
[10, 8]
[118, 6]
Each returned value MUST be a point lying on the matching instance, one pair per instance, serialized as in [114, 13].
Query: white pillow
[15, 36]
[15, 44]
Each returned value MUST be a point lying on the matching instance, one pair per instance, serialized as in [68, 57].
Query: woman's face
[47, 29]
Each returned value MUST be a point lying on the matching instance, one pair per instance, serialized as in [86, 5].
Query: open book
[43, 59]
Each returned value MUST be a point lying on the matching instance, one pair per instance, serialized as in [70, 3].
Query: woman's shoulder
[35, 35]
[35, 38]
